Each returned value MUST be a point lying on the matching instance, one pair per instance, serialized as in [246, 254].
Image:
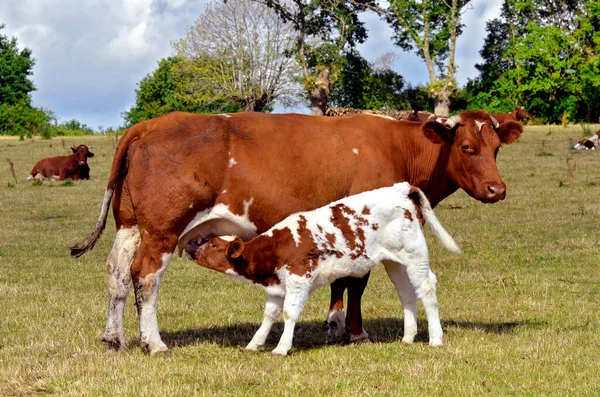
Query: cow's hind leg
[149, 265]
[273, 309]
[118, 275]
[335, 317]
[354, 321]
[398, 275]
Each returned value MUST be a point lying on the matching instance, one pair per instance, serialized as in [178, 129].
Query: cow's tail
[445, 238]
[117, 172]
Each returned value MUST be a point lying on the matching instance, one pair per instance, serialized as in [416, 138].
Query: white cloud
[92, 53]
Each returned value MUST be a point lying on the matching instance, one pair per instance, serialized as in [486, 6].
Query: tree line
[250, 55]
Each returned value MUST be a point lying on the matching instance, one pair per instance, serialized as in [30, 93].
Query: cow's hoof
[436, 342]
[113, 343]
[252, 348]
[363, 338]
[160, 350]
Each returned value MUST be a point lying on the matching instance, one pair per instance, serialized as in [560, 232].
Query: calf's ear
[90, 154]
[436, 132]
[235, 248]
[509, 131]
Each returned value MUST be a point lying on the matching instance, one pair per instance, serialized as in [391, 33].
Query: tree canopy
[16, 70]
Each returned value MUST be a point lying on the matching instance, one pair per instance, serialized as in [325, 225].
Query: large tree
[16, 69]
[325, 31]
[430, 27]
[239, 51]
[164, 90]
[365, 85]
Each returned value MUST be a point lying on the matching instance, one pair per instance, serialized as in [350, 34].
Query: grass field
[520, 308]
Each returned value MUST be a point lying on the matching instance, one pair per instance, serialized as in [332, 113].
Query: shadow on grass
[314, 334]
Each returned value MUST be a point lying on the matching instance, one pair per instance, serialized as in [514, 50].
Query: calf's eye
[467, 149]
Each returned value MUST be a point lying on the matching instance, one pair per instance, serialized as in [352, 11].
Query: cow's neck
[427, 169]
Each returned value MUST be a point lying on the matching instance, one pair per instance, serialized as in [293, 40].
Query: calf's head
[472, 142]
[81, 153]
[219, 253]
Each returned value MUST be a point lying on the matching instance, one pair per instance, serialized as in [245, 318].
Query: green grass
[520, 308]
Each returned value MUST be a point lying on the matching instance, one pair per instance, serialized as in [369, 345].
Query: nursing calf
[346, 238]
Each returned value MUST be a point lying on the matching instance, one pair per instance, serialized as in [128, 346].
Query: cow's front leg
[335, 317]
[297, 289]
[147, 270]
[118, 275]
[273, 309]
[354, 322]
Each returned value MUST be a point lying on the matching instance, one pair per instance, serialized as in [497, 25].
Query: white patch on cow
[479, 124]
[232, 162]
[148, 322]
[224, 191]
[224, 115]
[30, 178]
[380, 115]
[355, 151]
[218, 221]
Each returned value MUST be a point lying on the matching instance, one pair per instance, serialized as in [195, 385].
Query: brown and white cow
[346, 238]
[74, 166]
[181, 179]
[516, 115]
[588, 144]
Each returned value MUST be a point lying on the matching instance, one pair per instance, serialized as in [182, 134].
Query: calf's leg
[273, 309]
[398, 275]
[296, 293]
[118, 277]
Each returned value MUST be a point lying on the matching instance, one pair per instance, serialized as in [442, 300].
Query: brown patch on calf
[341, 217]
[415, 197]
[408, 215]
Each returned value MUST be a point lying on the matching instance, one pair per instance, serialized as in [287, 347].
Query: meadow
[520, 308]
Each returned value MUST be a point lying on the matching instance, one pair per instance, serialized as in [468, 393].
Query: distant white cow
[308, 250]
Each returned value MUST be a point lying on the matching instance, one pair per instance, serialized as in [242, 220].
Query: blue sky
[92, 53]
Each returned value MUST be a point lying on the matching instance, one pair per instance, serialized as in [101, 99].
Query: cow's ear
[235, 248]
[74, 149]
[509, 131]
[437, 133]
[90, 154]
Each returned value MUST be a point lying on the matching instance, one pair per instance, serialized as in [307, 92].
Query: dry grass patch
[520, 308]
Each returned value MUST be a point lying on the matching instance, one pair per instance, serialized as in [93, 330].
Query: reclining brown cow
[74, 167]
[181, 179]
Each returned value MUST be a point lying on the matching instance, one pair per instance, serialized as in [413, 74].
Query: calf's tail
[445, 238]
[117, 172]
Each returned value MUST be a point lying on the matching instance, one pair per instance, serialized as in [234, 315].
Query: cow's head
[218, 253]
[521, 114]
[82, 153]
[414, 116]
[473, 140]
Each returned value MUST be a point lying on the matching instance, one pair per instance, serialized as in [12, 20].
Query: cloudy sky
[92, 53]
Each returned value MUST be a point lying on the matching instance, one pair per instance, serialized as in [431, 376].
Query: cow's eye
[467, 149]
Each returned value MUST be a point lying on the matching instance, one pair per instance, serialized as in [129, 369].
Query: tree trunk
[442, 103]
[319, 95]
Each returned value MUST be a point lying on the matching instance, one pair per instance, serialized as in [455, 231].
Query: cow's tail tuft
[442, 234]
[82, 247]
[117, 172]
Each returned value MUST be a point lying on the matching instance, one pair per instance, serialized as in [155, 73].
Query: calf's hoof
[279, 352]
[155, 349]
[436, 342]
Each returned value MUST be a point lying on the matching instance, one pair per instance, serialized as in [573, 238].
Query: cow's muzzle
[495, 192]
